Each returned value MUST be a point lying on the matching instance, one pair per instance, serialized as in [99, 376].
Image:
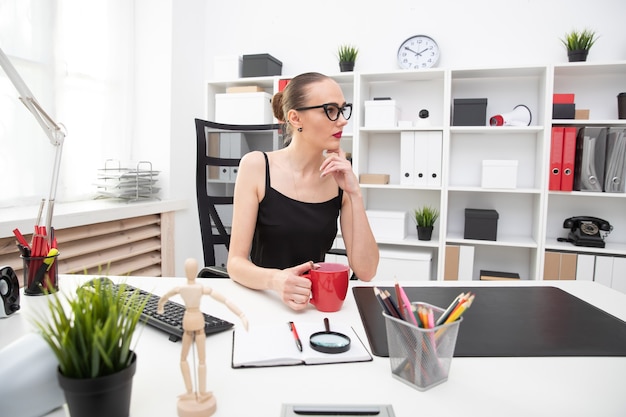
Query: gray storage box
[470, 112]
[260, 65]
[481, 224]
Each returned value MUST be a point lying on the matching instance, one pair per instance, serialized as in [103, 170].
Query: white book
[274, 345]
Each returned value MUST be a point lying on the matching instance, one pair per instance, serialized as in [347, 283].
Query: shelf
[402, 129]
[583, 122]
[495, 190]
[528, 213]
[496, 130]
[584, 194]
[610, 249]
[508, 241]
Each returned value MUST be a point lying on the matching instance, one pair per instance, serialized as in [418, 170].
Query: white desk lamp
[54, 131]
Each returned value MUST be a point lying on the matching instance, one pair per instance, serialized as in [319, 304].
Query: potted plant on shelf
[90, 335]
[578, 44]
[347, 57]
[425, 218]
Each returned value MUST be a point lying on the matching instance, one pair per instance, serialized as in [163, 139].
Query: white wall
[304, 36]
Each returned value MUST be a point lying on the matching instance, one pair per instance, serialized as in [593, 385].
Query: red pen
[292, 327]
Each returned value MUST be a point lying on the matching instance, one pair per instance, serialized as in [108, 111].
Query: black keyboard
[171, 321]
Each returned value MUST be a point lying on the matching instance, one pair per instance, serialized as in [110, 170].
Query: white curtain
[76, 58]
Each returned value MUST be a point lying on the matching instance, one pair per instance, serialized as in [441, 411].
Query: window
[76, 58]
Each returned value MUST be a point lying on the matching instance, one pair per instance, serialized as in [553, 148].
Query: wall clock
[417, 52]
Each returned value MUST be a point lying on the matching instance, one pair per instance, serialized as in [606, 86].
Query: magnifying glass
[329, 342]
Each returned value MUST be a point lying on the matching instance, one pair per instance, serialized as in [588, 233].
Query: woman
[286, 202]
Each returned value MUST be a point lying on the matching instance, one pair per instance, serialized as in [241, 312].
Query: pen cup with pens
[421, 357]
[40, 273]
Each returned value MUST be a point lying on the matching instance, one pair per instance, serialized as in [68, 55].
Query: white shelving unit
[530, 216]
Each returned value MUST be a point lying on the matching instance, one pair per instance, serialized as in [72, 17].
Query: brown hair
[293, 96]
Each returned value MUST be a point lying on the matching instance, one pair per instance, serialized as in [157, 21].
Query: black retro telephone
[586, 231]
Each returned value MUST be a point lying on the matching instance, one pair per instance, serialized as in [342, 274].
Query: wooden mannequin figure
[199, 402]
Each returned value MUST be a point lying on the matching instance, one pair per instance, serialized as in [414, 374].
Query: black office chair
[215, 171]
[212, 166]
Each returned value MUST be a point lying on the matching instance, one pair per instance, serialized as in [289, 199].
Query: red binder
[569, 154]
[556, 158]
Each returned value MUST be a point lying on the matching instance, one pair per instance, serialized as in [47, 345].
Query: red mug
[329, 285]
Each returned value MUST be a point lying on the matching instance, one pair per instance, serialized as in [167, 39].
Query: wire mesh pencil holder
[421, 357]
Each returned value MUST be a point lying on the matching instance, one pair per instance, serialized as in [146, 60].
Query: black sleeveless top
[290, 232]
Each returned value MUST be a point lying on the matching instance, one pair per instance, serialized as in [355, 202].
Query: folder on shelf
[568, 159]
[407, 158]
[603, 273]
[568, 266]
[420, 158]
[427, 158]
[451, 266]
[435, 143]
[590, 157]
[551, 265]
[615, 160]
[556, 158]
[585, 266]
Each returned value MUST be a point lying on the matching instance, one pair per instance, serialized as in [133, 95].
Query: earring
[299, 129]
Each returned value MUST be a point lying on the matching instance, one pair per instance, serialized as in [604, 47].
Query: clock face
[418, 52]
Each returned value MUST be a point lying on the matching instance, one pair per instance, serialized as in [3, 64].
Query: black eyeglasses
[332, 110]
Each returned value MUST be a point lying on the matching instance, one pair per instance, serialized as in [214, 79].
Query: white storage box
[404, 264]
[227, 67]
[381, 113]
[499, 174]
[243, 108]
[388, 225]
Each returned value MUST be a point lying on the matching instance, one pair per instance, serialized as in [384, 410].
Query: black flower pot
[424, 232]
[106, 396]
[346, 66]
[577, 55]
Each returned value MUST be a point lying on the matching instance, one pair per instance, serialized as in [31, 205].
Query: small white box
[227, 67]
[388, 225]
[381, 113]
[404, 264]
[499, 174]
[243, 108]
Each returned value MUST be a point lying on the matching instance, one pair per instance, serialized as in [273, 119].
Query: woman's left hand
[340, 168]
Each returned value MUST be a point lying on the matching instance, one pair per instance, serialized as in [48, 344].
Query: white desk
[551, 386]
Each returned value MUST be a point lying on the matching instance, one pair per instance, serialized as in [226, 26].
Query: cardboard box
[388, 225]
[470, 112]
[499, 173]
[261, 65]
[227, 67]
[481, 224]
[404, 264]
[381, 113]
[243, 108]
[374, 178]
[581, 114]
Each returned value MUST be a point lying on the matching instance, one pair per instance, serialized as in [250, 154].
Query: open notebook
[274, 345]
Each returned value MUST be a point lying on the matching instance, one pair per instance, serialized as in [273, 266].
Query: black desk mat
[510, 321]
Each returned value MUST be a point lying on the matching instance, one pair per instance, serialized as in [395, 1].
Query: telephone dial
[586, 231]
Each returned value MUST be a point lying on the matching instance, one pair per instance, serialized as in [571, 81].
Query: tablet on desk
[511, 322]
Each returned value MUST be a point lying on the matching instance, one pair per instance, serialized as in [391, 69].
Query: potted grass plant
[578, 44]
[425, 218]
[90, 334]
[347, 55]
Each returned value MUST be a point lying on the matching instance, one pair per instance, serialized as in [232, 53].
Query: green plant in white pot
[90, 333]
[578, 43]
[425, 218]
